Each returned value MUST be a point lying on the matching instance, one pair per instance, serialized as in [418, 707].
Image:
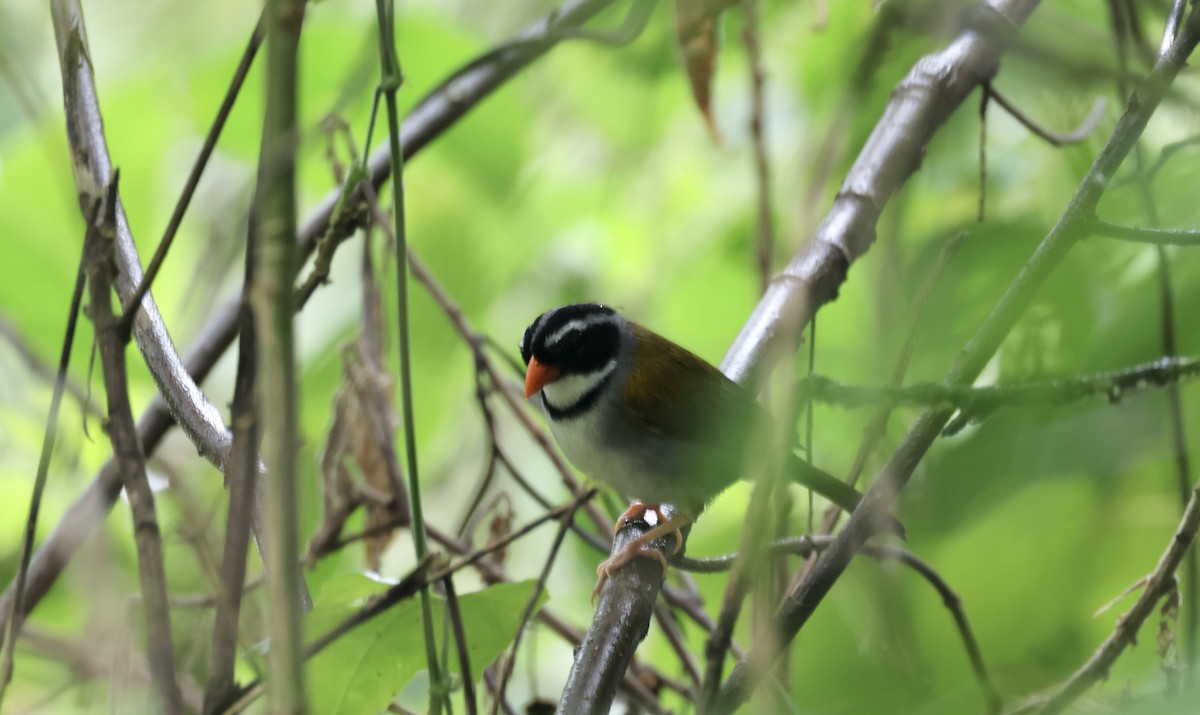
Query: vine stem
[389, 83]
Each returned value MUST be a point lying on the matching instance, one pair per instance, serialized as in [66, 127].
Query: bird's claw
[637, 512]
[641, 545]
[610, 565]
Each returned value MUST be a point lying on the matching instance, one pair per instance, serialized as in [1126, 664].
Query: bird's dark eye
[570, 343]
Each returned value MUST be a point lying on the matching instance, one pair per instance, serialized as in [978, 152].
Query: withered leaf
[361, 435]
[697, 33]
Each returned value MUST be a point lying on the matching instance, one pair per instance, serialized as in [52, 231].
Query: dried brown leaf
[361, 435]
[696, 32]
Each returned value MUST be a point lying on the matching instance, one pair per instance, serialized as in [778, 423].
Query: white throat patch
[566, 391]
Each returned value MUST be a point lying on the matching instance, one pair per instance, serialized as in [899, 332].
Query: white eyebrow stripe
[576, 325]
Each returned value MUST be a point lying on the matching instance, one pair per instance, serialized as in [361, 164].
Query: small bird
[643, 415]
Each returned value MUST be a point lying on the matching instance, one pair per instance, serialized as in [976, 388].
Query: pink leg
[637, 512]
[638, 547]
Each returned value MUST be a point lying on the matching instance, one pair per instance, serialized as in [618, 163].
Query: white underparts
[566, 391]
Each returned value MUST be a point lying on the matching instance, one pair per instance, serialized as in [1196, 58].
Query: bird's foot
[641, 545]
[638, 511]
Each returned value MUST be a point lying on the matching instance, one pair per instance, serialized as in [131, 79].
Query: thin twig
[390, 80]
[762, 166]
[208, 600]
[1165, 155]
[877, 427]
[756, 533]
[981, 401]
[33, 361]
[460, 643]
[719, 642]
[511, 397]
[466, 525]
[489, 679]
[981, 205]
[241, 475]
[1083, 131]
[193, 179]
[539, 588]
[12, 626]
[1160, 582]
[1183, 471]
[86, 660]
[669, 625]
[1148, 234]
[127, 451]
[498, 457]
[1183, 467]
[808, 545]
[368, 533]
[687, 600]
[465, 330]
[475, 555]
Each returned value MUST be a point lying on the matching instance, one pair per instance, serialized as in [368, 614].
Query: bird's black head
[574, 339]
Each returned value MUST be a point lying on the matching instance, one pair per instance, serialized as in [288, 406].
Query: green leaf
[340, 596]
[365, 669]
[490, 619]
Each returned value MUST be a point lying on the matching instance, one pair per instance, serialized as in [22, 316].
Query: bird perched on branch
[657, 423]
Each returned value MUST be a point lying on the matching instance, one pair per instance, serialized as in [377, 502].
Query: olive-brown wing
[679, 396]
[683, 399]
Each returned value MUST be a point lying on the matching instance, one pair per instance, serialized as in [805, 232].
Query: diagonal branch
[200, 419]
[1072, 225]
[935, 87]
[92, 166]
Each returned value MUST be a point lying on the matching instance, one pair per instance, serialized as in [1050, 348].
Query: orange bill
[538, 376]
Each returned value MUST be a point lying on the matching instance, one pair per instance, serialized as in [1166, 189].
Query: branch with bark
[935, 87]
[1071, 227]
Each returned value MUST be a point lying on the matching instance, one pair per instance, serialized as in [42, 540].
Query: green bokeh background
[591, 177]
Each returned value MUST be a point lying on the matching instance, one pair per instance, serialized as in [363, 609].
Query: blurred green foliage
[590, 177]
[362, 671]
